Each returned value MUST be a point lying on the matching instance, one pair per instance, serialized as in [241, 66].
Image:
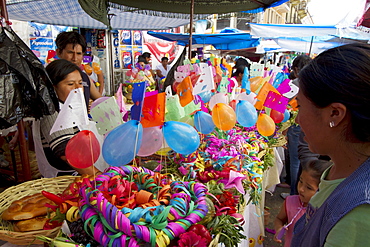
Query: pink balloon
[151, 142]
[98, 101]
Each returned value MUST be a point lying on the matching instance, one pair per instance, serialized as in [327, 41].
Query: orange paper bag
[153, 110]
[262, 95]
[185, 91]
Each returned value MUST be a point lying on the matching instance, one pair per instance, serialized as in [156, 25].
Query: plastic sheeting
[221, 41]
[25, 89]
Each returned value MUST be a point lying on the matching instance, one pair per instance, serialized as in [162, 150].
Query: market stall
[221, 136]
[210, 185]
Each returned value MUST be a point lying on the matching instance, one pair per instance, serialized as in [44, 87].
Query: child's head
[310, 178]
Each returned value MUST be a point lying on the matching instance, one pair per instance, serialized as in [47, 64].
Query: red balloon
[233, 104]
[83, 150]
[277, 116]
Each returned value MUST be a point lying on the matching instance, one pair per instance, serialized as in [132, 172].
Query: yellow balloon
[223, 116]
[265, 125]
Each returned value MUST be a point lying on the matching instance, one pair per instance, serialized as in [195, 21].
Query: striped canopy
[126, 14]
[70, 13]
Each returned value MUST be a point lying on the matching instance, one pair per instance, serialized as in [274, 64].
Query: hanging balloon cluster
[263, 107]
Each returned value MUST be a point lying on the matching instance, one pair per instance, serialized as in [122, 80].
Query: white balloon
[218, 98]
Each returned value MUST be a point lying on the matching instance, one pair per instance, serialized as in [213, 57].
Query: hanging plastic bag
[26, 89]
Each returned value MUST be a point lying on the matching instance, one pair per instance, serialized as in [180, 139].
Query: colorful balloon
[96, 68]
[286, 116]
[123, 143]
[255, 83]
[223, 116]
[83, 150]
[218, 98]
[233, 104]
[88, 69]
[265, 125]
[277, 116]
[151, 142]
[206, 96]
[246, 114]
[251, 98]
[203, 122]
[181, 137]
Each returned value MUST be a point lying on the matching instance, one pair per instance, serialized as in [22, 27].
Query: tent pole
[191, 27]
[4, 12]
[309, 53]
[110, 69]
[109, 50]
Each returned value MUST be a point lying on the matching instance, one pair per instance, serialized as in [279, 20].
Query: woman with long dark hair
[334, 113]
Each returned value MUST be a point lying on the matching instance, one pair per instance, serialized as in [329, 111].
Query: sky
[330, 12]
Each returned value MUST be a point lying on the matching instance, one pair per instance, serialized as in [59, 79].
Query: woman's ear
[338, 112]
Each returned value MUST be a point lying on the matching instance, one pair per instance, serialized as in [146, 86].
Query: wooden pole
[4, 12]
[191, 27]
[26, 169]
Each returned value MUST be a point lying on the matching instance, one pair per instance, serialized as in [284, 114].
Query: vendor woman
[65, 77]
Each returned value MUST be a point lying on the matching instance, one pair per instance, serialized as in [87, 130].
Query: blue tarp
[221, 41]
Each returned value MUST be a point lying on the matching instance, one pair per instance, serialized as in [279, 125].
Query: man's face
[165, 62]
[72, 53]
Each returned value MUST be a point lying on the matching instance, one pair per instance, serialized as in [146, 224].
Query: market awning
[70, 13]
[308, 38]
[221, 41]
[200, 6]
[300, 30]
[290, 30]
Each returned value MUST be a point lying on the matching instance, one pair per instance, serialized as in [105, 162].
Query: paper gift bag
[185, 91]
[174, 111]
[153, 110]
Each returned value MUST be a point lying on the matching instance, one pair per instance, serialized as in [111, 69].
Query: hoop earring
[331, 124]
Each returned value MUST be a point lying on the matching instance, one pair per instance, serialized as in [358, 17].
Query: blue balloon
[286, 116]
[206, 96]
[123, 143]
[246, 113]
[203, 122]
[181, 137]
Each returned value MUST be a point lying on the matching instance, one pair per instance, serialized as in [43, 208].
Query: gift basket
[7, 232]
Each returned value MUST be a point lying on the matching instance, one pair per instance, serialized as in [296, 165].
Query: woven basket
[54, 185]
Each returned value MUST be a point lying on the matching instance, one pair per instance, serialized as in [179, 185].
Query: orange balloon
[88, 69]
[96, 68]
[255, 83]
[265, 125]
[223, 116]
